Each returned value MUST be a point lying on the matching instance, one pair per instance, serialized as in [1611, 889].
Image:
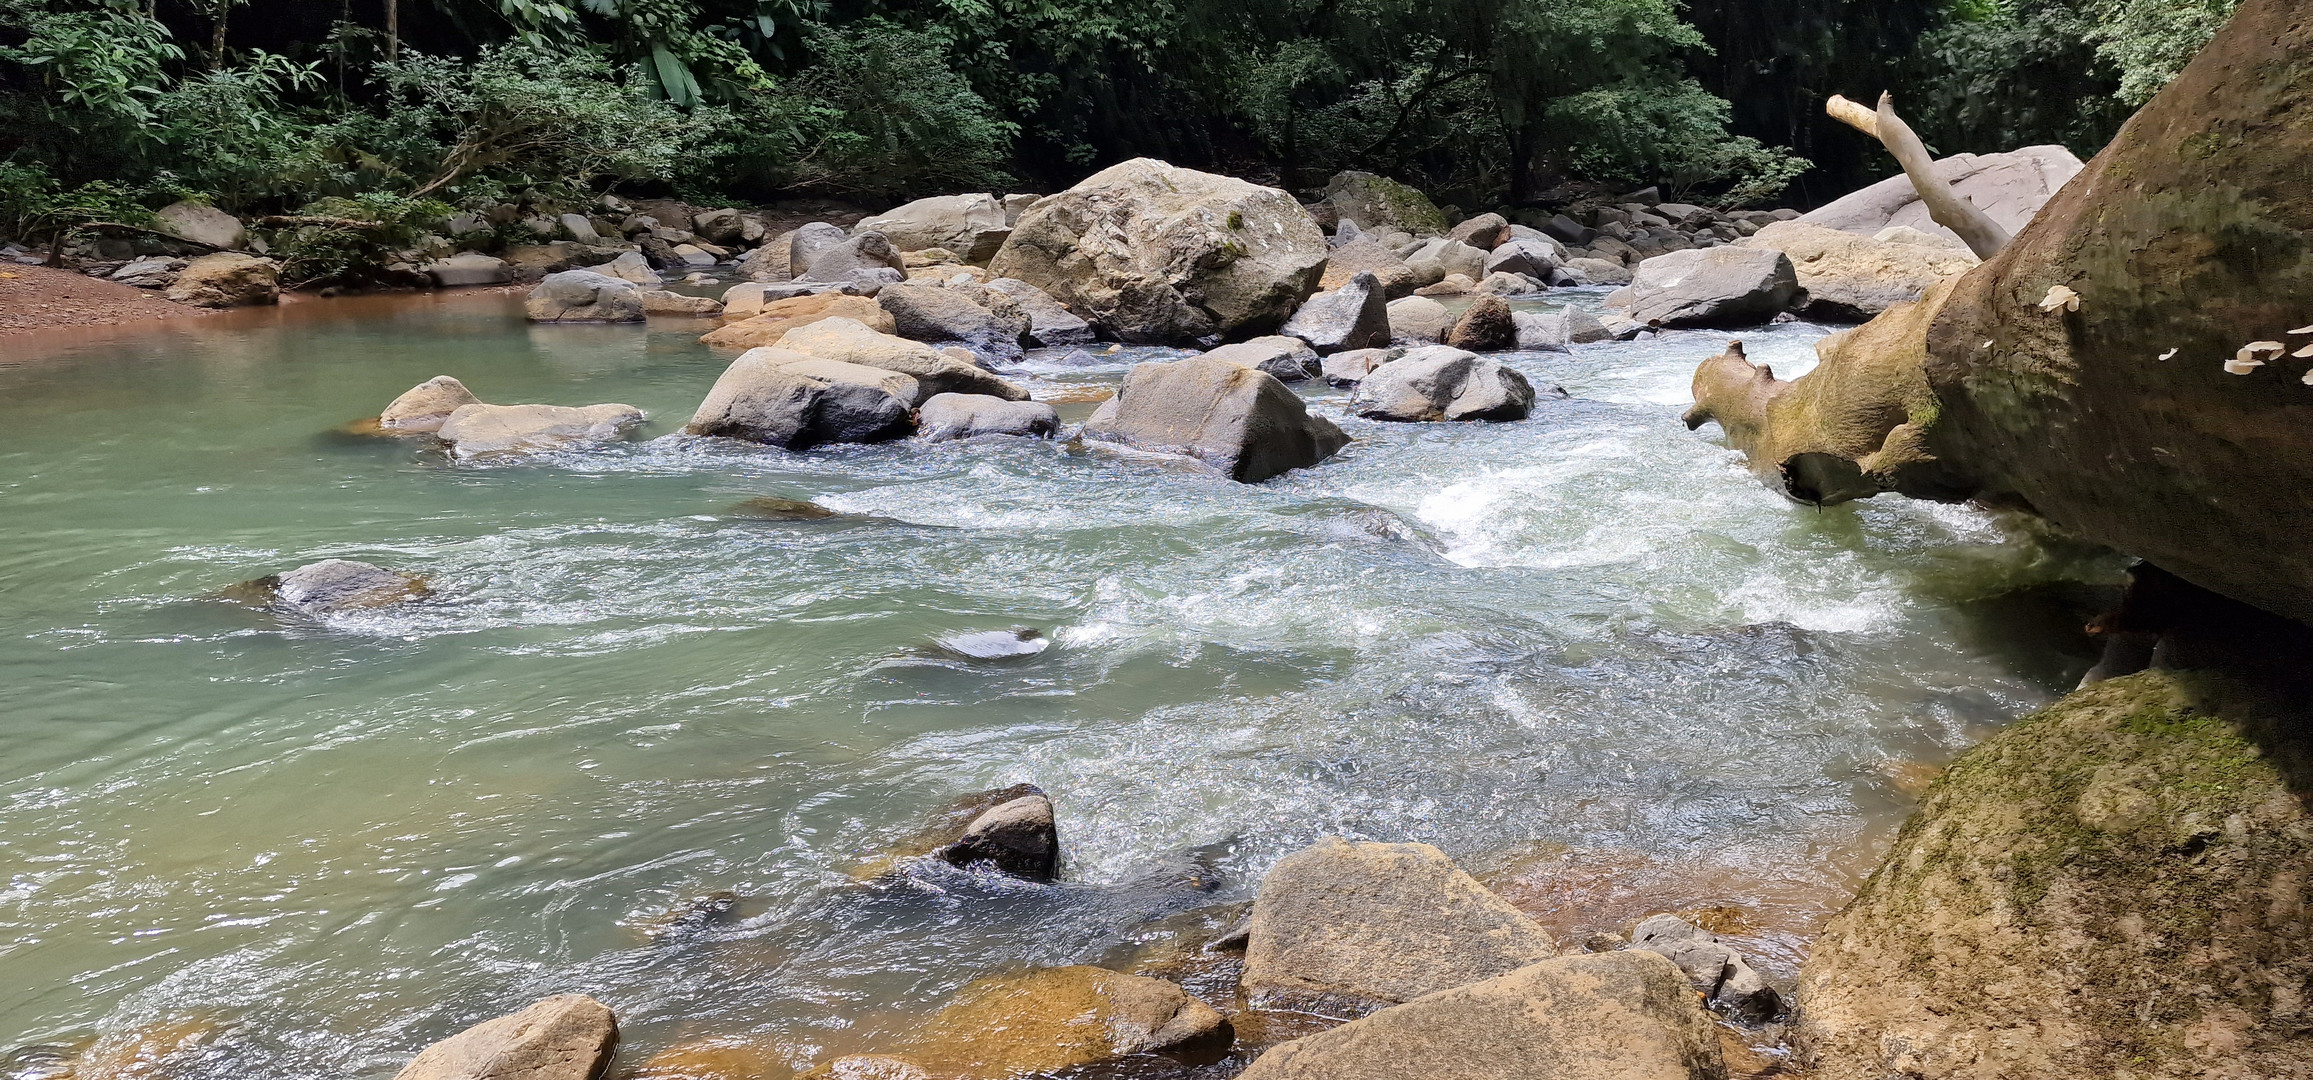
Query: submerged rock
[966, 416]
[2114, 886]
[422, 408]
[709, 912]
[584, 296]
[1017, 837]
[504, 429]
[171, 1048]
[1052, 1019]
[341, 585]
[1237, 420]
[1614, 1016]
[1148, 252]
[566, 1037]
[722, 1059]
[776, 508]
[1440, 382]
[1708, 287]
[1347, 926]
[996, 644]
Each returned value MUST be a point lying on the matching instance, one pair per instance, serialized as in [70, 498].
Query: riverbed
[1586, 654]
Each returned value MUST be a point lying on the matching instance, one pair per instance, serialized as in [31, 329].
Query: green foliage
[2008, 73]
[879, 112]
[233, 133]
[36, 208]
[1674, 134]
[106, 63]
[335, 252]
[2151, 40]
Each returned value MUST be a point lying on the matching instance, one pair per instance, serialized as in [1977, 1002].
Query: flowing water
[1587, 655]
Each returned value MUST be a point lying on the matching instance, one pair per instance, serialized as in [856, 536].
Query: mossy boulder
[2116, 886]
[1381, 205]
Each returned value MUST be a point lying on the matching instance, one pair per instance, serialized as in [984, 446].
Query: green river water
[1588, 639]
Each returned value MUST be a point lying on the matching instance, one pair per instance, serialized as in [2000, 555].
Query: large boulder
[2094, 370]
[1017, 837]
[1047, 1021]
[1721, 287]
[468, 268]
[795, 401]
[1147, 252]
[937, 314]
[1050, 323]
[566, 1037]
[421, 409]
[1487, 325]
[227, 279]
[680, 305]
[1442, 383]
[1354, 316]
[1379, 204]
[1533, 258]
[966, 416]
[1350, 368]
[809, 241]
[1610, 1016]
[2115, 886]
[1287, 359]
[773, 320]
[630, 266]
[480, 429]
[1851, 278]
[1419, 320]
[1439, 259]
[202, 224]
[1349, 926]
[1365, 255]
[868, 256]
[1484, 232]
[1238, 420]
[2008, 187]
[972, 226]
[584, 296]
[852, 342]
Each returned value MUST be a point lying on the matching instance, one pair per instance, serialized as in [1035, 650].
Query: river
[1586, 654]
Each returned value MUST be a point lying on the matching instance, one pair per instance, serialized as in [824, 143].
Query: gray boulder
[468, 268]
[2008, 187]
[423, 408]
[504, 429]
[1435, 260]
[1543, 331]
[1598, 271]
[808, 242]
[1018, 837]
[1610, 1016]
[227, 279]
[1484, 232]
[1050, 323]
[1147, 252]
[1533, 258]
[1350, 368]
[1721, 287]
[1240, 421]
[1442, 383]
[584, 296]
[965, 416]
[1569, 231]
[1354, 316]
[630, 266]
[580, 229]
[1347, 926]
[155, 272]
[725, 226]
[1851, 278]
[1287, 359]
[343, 585]
[1419, 320]
[1502, 284]
[795, 401]
[1716, 971]
[202, 224]
[933, 313]
[869, 255]
[1381, 205]
[566, 1037]
[972, 226]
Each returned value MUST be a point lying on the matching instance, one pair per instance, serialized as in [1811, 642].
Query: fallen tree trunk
[1949, 208]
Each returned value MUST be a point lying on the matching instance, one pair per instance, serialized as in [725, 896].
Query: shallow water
[1586, 654]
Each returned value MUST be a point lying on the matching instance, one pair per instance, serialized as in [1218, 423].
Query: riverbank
[39, 298]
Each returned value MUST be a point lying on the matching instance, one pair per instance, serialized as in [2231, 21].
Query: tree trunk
[393, 13]
[217, 36]
[1949, 208]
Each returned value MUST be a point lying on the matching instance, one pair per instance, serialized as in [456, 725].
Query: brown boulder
[422, 408]
[1486, 327]
[567, 1037]
[227, 279]
[772, 321]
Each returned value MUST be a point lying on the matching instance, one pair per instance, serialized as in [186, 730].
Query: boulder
[1147, 252]
[1722, 287]
[501, 429]
[630, 266]
[743, 301]
[768, 262]
[795, 401]
[530, 262]
[1419, 320]
[965, 416]
[972, 226]
[1379, 204]
[1484, 232]
[1436, 260]
[1442, 383]
[1052, 1020]
[1599, 271]
[809, 242]
[1347, 926]
[155, 272]
[1543, 332]
[669, 213]
[1452, 285]
[579, 228]
[1568, 231]
[1714, 969]
[1366, 256]
[1486, 326]
[584, 296]
[773, 320]
[227, 279]
[1050, 323]
[867, 255]
[2115, 886]
[662, 302]
[723, 226]
[341, 585]
[1017, 837]
[933, 313]
[1287, 359]
[696, 255]
[1533, 258]
[468, 268]
[862, 1067]
[1350, 368]
[1610, 1016]
[422, 408]
[202, 224]
[1241, 422]
[1850, 278]
[850, 341]
[2008, 187]
[1501, 284]
[566, 1037]
[1354, 316]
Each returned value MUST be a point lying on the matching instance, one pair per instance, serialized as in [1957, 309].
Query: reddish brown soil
[35, 298]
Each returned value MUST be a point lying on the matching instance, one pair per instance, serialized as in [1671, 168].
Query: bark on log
[1949, 208]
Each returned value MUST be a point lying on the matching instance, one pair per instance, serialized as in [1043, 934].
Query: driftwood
[1949, 208]
[293, 221]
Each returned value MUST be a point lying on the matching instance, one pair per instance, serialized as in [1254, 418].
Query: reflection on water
[1585, 654]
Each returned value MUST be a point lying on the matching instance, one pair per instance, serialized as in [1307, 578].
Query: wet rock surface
[967, 416]
[568, 1037]
[1236, 419]
[477, 430]
[1440, 382]
[1017, 837]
